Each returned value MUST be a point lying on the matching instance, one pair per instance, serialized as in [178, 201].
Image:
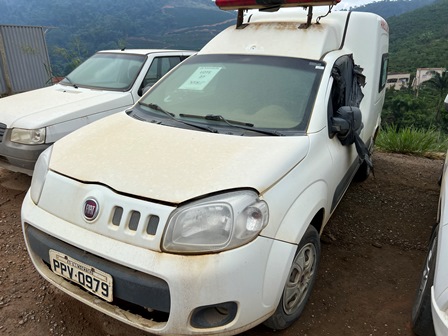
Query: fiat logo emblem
[91, 209]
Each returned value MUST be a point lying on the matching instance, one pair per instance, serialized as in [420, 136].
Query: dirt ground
[372, 253]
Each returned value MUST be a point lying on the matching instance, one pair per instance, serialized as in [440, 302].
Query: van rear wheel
[299, 282]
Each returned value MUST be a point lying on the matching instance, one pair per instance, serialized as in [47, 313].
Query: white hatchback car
[430, 310]
[108, 82]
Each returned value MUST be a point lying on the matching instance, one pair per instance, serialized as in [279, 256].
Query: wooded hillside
[79, 28]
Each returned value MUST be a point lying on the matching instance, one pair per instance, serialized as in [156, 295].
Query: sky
[351, 3]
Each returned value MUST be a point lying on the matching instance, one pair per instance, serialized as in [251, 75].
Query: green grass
[410, 140]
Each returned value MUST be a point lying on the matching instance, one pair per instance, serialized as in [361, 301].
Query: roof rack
[271, 6]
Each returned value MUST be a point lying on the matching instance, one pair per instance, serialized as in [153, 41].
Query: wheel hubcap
[300, 277]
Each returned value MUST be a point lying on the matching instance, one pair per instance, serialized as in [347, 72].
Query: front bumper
[18, 157]
[249, 279]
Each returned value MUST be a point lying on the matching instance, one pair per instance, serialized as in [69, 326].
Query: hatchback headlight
[28, 136]
[216, 223]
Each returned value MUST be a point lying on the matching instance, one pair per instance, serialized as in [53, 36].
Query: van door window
[383, 75]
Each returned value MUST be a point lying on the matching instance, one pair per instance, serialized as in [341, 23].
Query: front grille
[133, 221]
[121, 217]
[2, 131]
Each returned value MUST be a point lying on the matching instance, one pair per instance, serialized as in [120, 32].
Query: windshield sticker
[200, 78]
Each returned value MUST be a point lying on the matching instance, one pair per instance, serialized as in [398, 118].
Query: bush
[410, 140]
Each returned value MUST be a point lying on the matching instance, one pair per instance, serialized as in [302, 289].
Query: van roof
[279, 34]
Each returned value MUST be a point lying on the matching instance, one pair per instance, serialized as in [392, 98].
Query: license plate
[88, 277]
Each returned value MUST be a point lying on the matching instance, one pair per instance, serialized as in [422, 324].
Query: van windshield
[110, 71]
[263, 92]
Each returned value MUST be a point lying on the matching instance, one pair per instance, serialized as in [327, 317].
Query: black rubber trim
[344, 184]
[2, 131]
[345, 30]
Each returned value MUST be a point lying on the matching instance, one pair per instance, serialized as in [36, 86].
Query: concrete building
[398, 81]
[424, 74]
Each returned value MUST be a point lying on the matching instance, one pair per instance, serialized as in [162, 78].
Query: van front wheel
[299, 282]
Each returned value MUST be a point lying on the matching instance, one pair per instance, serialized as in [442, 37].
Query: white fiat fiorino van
[199, 210]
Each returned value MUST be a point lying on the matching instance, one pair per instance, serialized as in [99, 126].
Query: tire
[300, 281]
[422, 324]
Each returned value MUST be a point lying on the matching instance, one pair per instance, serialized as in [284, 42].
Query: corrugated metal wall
[24, 60]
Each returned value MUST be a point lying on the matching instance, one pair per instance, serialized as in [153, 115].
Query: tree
[403, 109]
[72, 57]
[439, 83]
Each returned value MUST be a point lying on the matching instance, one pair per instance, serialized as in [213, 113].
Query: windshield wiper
[70, 81]
[217, 117]
[173, 116]
[158, 108]
[233, 123]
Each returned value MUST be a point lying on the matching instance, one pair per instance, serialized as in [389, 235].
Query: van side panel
[374, 29]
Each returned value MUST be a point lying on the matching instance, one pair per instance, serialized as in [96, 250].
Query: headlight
[40, 174]
[217, 223]
[28, 136]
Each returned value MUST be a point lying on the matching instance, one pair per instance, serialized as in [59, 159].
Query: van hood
[58, 103]
[170, 164]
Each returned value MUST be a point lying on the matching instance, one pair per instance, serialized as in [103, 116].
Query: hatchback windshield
[255, 91]
[110, 71]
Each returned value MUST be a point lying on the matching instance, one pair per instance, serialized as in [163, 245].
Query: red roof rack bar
[260, 4]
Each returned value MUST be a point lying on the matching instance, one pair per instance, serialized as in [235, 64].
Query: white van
[108, 82]
[199, 210]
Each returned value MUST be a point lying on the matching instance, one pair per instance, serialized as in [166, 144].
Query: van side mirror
[339, 125]
[346, 121]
